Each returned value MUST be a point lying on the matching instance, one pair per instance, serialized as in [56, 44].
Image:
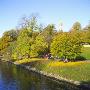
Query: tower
[60, 26]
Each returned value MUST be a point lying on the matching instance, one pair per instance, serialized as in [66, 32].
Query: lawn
[86, 52]
[79, 71]
[22, 61]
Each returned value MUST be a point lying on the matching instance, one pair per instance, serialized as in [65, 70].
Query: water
[15, 78]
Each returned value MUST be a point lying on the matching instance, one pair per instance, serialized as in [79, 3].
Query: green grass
[79, 72]
[86, 52]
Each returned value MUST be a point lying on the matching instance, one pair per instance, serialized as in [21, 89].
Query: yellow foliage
[56, 64]
[27, 60]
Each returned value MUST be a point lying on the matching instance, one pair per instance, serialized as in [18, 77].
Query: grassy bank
[78, 71]
[72, 70]
[86, 52]
[28, 60]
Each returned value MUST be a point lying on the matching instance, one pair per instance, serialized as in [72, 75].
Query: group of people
[49, 56]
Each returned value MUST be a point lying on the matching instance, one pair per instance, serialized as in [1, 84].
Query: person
[46, 56]
[66, 60]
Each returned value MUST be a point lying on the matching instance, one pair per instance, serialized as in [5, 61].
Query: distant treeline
[33, 40]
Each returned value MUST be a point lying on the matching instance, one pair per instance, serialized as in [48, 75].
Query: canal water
[16, 78]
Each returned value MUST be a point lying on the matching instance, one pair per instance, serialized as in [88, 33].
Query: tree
[6, 43]
[76, 27]
[39, 47]
[29, 23]
[23, 45]
[13, 34]
[29, 30]
[86, 31]
[48, 33]
[66, 45]
[6, 39]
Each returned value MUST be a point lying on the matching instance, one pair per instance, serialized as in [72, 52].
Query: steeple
[60, 26]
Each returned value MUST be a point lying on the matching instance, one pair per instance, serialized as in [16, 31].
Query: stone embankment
[56, 78]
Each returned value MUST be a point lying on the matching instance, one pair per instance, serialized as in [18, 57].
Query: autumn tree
[22, 45]
[6, 43]
[66, 45]
[39, 47]
[28, 32]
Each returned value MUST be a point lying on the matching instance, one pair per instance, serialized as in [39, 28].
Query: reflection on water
[16, 78]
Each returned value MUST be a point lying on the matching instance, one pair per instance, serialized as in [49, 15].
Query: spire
[60, 26]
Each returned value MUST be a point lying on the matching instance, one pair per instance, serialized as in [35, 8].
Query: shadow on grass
[80, 58]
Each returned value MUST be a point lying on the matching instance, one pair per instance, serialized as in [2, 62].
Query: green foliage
[48, 33]
[66, 45]
[76, 27]
[86, 52]
[39, 47]
[6, 43]
[29, 23]
[31, 40]
[28, 33]
[23, 45]
[88, 37]
[86, 34]
[7, 52]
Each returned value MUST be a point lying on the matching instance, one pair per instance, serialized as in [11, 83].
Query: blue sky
[50, 11]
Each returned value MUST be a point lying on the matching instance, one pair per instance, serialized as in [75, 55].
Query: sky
[48, 11]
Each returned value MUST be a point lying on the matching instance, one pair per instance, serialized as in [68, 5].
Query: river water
[16, 78]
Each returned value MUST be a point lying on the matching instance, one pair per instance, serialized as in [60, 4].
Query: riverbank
[73, 73]
[53, 68]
